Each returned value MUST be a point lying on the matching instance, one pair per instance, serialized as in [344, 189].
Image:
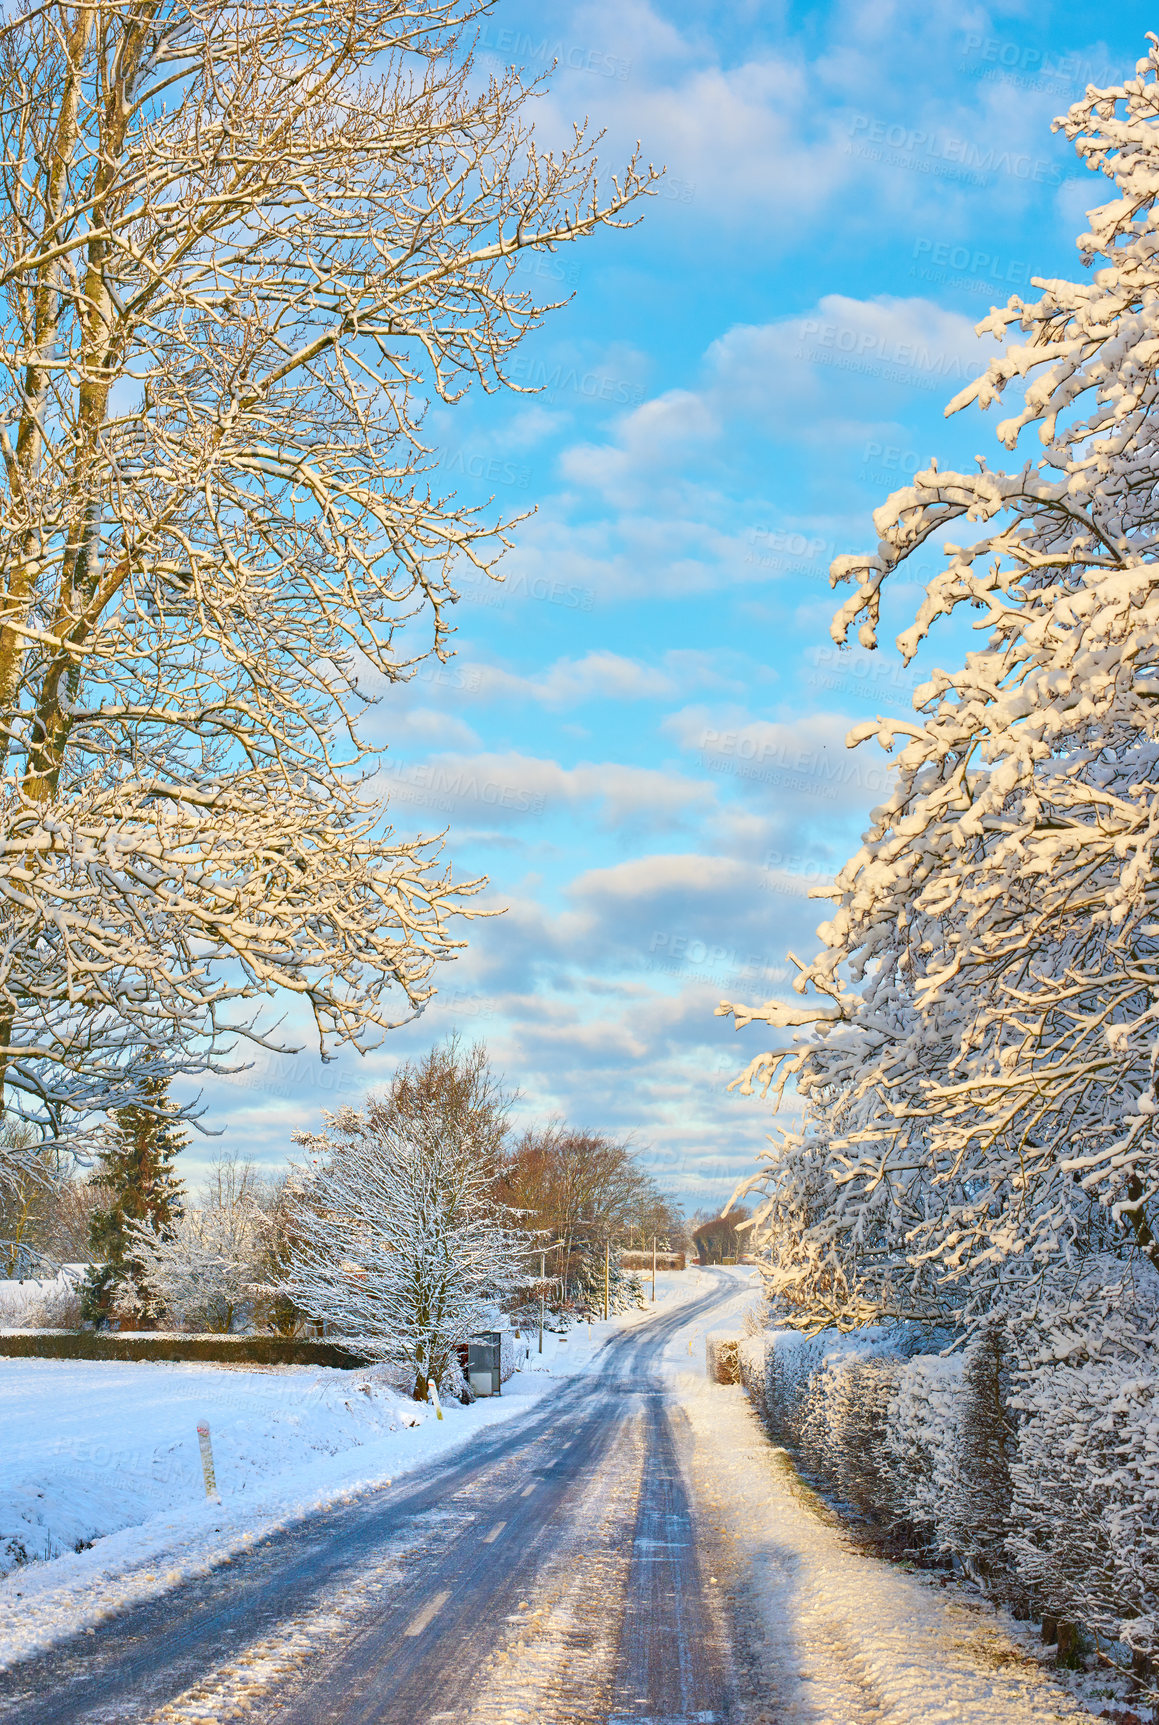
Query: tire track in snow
[306, 1628]
[558, 1665]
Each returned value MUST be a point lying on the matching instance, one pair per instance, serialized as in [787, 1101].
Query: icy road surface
[632, 1549]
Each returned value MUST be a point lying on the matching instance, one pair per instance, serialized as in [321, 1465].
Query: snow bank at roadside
[93, 1446]
[845, 1637]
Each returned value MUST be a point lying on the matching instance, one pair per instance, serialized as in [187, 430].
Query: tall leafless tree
[398, 1234]
[243, 245]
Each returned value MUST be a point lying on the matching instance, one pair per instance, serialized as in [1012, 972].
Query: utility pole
[607, 1275]
[653, 1267]
[542, 1292]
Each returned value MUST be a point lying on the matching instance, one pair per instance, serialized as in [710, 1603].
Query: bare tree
[397, 1233]
[719, 1239]
[581, 1191]
[30, 1179]
[243, 245]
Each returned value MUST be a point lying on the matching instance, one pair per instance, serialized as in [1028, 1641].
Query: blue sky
[641, 740]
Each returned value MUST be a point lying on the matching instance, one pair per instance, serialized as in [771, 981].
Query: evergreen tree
[625, 1289]
[138, 1176]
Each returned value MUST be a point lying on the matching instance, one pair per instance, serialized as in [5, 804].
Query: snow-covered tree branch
[242, 247]
[205, 1270]
[980, 1076]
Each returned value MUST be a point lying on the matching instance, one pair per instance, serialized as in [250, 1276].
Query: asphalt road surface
[552, 1572]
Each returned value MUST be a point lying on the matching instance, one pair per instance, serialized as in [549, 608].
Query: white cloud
[426, 727]
[767, 140]
[599, 675]
[801, 770]
[512, 787]
[602, 675]
[844, 373]
[763, 372]
[646, 877]
[655, 435]
[530, 427]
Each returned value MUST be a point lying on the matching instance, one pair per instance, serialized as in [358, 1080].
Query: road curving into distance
[552, 1571]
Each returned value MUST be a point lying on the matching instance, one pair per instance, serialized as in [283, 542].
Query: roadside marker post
[207, 1459]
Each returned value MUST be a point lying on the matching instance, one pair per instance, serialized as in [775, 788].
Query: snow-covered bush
[49, 1303]
[753, 1356]
[974, 1518]
[919, 1444]
[919, 1449]
[842, 1413]
[205, 1270]
[829, 1397]
[857, 1404]
[1029, 1458]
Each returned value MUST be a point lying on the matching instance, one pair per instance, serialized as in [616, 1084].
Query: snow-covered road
[628, 1548]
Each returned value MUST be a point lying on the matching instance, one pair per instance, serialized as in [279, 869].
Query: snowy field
[107, 1452]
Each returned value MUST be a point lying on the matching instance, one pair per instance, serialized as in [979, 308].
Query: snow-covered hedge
[1029, 1457]
[921, 1440]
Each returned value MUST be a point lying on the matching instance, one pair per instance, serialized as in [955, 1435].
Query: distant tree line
[411, 1222]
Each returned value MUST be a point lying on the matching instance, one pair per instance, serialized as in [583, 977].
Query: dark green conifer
[138, 1177]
